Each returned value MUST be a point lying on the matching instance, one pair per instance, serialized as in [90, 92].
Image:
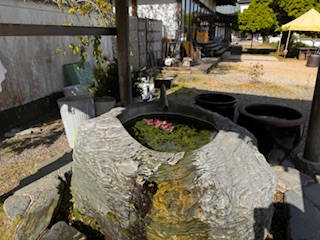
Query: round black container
[313, 60]
[216, 102]
[278, 129]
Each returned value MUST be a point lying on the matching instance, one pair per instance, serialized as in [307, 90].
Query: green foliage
[258, 18]
[182, 138]
[99, 12]
[290, 10]
[296, 44]
[295, 8]
[266, 16]
[106, 81]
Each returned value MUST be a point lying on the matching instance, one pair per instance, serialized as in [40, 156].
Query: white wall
[34, 68]
[243, 7]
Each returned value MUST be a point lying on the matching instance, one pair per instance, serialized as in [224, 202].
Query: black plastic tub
[216, 102]
[277, 128]
[313, 60]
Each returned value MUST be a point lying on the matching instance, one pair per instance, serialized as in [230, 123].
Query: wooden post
[312, 147]
[134, 8]
[122, 20]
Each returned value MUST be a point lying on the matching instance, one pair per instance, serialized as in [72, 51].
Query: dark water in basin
[171, 133]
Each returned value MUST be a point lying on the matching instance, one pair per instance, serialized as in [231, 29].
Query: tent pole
[278, 50]
[286, 48]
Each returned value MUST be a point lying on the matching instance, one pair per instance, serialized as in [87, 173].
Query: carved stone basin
[223, 189]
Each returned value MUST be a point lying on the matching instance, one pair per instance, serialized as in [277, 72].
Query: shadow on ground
[44, 171]
[45, 132]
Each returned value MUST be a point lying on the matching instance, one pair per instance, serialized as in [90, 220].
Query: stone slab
[250, 57]
[291, 179]
[303, 217]
[312, 193]
[15, 206]
[62, 231]
[45, 198]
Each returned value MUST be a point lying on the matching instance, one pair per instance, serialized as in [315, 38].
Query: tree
[295, 8]
[288, 10]
[258, 18]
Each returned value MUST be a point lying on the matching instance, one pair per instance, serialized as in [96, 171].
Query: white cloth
[3, 71]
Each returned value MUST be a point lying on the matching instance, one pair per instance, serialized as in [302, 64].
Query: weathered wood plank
[7, 29]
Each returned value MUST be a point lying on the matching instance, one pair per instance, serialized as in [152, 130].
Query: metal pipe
[312, 150]
[278, 50]
[164, 97]
[287, 43]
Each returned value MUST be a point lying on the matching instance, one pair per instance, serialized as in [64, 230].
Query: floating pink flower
[149, 121]
[162, 124]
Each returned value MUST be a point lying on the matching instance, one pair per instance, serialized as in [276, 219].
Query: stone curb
[302, 202]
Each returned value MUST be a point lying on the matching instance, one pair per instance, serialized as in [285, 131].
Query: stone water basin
[223, 189]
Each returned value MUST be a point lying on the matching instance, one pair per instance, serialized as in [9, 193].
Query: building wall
[34, 69]
[168, 13]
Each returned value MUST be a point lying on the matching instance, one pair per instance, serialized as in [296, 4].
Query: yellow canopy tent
[310, 21]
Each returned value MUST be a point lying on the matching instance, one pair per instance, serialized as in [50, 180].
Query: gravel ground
[287, 82]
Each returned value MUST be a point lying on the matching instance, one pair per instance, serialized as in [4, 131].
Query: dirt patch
[35, 143]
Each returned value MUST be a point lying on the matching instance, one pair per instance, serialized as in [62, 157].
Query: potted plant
[104, 87]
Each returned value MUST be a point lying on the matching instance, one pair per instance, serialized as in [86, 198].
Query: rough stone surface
[304, 217]
[62, 231]
[221, 190]
[45, 198]
[15, 206]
